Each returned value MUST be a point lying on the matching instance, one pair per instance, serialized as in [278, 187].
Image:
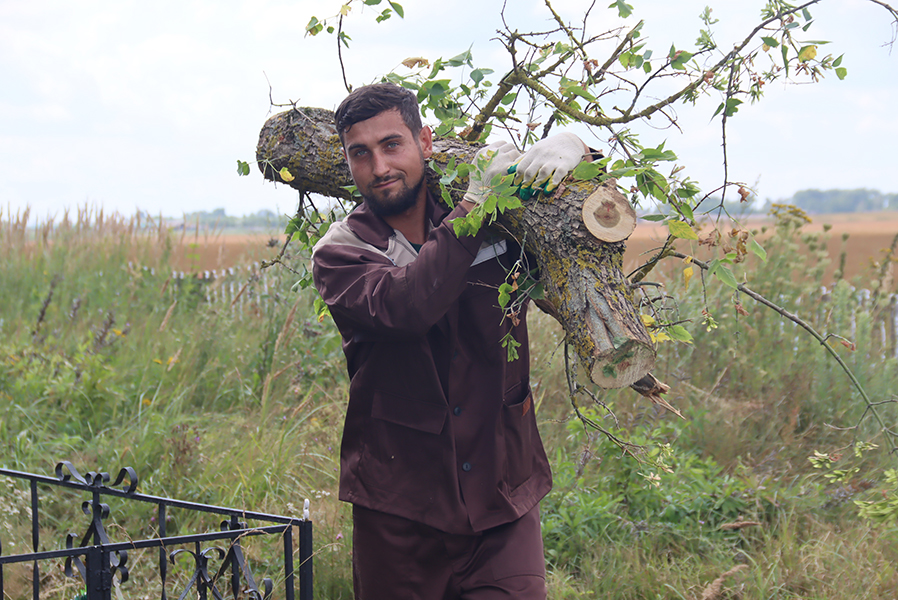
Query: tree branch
[871, 406]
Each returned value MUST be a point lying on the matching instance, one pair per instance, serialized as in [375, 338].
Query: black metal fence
[217, 570]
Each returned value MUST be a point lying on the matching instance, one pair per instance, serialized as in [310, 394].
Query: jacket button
[466, 467]
[456, 411]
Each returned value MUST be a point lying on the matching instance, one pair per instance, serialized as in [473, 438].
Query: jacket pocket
[413, 414]
[519, 425]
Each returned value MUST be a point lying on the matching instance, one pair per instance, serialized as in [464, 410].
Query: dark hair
[371, 100]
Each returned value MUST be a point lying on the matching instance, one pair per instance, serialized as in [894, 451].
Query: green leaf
[654, 218]
[681, 230]
[579, 91]
[537, 292]
[460, 59]
[624, 10]
[511, 345]
[679, 59]
[587, 170]
[658, 154]
[293, 225]
[841, 73]
[399, 10]
[242, 168]
[726, 275]
[729, 108]
[838, 61]
[505, 294]
[770, 41]
[321, 309]
[757, 249]
[685, 210]
[680, 334]
[477, 75]
[625, 59]
[314, 27]
[371, 2]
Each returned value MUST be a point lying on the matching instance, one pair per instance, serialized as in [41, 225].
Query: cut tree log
[584, 286]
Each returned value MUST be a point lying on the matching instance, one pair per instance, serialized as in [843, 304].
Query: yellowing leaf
[286, 175]
[658, 337]
[344, 10]
[681, 229]
[416, 61]
[807, 53]
[687, 276]
[647, 320]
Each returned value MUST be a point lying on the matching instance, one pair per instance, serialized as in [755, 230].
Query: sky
[127, 106]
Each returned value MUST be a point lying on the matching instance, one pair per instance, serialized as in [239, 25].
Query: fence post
[305, 560]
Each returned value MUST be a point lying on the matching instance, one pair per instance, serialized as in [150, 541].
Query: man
[441, 457]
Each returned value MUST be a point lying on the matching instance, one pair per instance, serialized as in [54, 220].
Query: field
[226, 389]
[868, 236]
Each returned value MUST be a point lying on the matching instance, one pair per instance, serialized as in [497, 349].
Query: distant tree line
[839, 201]
[817, 202]
[811, 201]
[217, 219]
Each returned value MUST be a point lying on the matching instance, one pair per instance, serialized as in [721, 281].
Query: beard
[402, 199]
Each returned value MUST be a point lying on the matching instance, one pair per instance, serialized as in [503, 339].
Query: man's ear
[425, 141]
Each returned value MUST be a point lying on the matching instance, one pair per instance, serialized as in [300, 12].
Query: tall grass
[108, 360]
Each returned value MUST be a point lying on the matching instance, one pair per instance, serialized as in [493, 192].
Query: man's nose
[379, 164]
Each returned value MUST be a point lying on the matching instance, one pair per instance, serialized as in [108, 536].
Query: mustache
[382, 180]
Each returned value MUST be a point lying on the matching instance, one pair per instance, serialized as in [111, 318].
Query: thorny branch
[871, 406]
[575, 388]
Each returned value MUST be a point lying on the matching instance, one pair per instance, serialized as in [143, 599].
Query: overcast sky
[130, 105]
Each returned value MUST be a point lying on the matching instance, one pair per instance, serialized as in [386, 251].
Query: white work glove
[549, 160]
[500, 155]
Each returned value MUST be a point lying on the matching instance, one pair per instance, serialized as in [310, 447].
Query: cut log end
[608, 215]
[622, 366]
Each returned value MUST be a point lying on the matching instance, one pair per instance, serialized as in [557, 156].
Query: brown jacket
[440, 427]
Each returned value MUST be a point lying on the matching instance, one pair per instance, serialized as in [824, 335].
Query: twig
[871, 406]
[340, 53]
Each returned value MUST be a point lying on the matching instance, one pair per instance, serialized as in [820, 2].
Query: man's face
[387, 162]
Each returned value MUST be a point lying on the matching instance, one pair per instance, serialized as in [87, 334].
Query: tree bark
[584, 286]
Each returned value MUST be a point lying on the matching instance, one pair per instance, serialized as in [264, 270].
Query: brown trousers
[398, 559]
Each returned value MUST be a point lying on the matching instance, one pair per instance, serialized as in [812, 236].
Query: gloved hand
[549, 161]
[500, 155]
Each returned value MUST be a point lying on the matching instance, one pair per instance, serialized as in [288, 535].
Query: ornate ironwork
[102, 564]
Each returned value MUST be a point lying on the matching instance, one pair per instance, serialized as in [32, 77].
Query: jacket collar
[374, 230]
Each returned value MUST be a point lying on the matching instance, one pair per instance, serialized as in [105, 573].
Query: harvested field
[869, 236]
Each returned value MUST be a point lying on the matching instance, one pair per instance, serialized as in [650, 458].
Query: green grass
[241, 404]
